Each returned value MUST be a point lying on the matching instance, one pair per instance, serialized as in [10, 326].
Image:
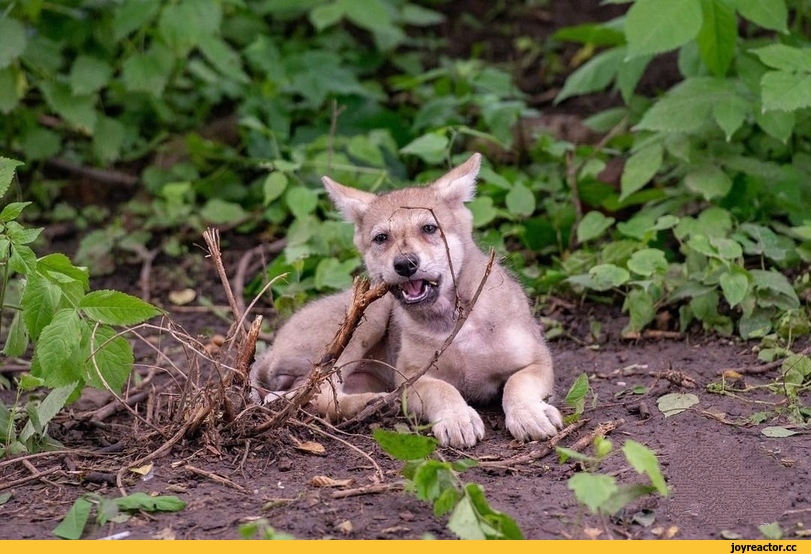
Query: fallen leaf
[182, 297]
[777, 432]
[165, 534]
[730, 535]
[324, 481]
[143, 470]
[345, 527]
[311, 447]
[671, 532]
[592, 533]
[676, 402]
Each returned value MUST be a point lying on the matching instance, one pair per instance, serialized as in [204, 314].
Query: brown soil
[724, 475]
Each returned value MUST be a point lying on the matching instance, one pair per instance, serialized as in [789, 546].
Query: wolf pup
[419, 240]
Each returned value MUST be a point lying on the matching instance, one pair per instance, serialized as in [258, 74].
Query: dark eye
[429, 229]
[380, 238]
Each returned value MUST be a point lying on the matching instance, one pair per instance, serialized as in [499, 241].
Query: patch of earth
[723, 476]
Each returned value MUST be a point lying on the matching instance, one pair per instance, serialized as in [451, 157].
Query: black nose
[406, 265]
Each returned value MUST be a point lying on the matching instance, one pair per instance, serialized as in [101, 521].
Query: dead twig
[362, 297]
[215, 477]
[547, 448]
[212, 238]
[370, 489]
[244, 268]
[34, 477]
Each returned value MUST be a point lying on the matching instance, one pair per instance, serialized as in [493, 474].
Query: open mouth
[418, 291]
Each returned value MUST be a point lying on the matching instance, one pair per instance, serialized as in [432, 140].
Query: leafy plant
[263, 530]
[74, 523]
[715, 166]
[601, 493]
[437, 481]
[73, 329]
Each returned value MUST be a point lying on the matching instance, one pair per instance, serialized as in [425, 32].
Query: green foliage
[601, 493]
[261, 529]
[75, 521]
[72, 329]
[716, 167]
[437, 481]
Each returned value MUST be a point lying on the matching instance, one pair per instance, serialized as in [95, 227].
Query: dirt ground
[725, 477]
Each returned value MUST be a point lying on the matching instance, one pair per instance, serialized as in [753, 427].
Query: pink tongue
[412, 288]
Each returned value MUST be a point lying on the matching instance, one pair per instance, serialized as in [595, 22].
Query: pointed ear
[459, 184]
[352, 203]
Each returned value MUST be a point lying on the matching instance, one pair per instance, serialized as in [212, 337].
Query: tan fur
[499, 349]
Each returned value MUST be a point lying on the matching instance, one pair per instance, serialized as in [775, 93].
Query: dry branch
[362, 297]
[396, 393]
[547, 448]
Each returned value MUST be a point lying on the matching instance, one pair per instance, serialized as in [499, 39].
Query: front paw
[459, 427]
[536, 421]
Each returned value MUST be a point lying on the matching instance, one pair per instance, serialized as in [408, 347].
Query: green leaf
[149, 71]
[593, 225]
[131, 15]
[785, 58]
[593, 489]
[108, 138]
[778, 124]
[785, 91]
[709, 181]
[12, 210]
[777, 432]
[326, 15]
[39, 302]
[483, 210]
[430, 478]
[57, 347]
[624, 495]
[59, 268]
[503, 526]
[731, 115]
[640, 308]
[301, 201]
[366, 151]
[89, 74]
[643, 460]
[653, 26]
[183, 24]
[446, 501]
[224, 58]
[771, 531]
[47, 409]
[72, 525]
[17, 339]
[431, 147]
[220, 212]
[117, 308]
[13, 44]
[774, 286]
[333, 274]
[7, 168]
[647, 262]
[412, 14]
[12, 88]
[113, 359]
[688, 106]
[735, 285]
[139, 501]
[404, 446]
[520, 201]
[576, 397]
[464, 521]
[716, 39]
[641, 168]
[77, 109]
[594, 75]
[273, 186]
[675, 403]
[608, 276]
[770, 14]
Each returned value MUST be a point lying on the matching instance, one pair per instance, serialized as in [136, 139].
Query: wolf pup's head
[413, 238]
